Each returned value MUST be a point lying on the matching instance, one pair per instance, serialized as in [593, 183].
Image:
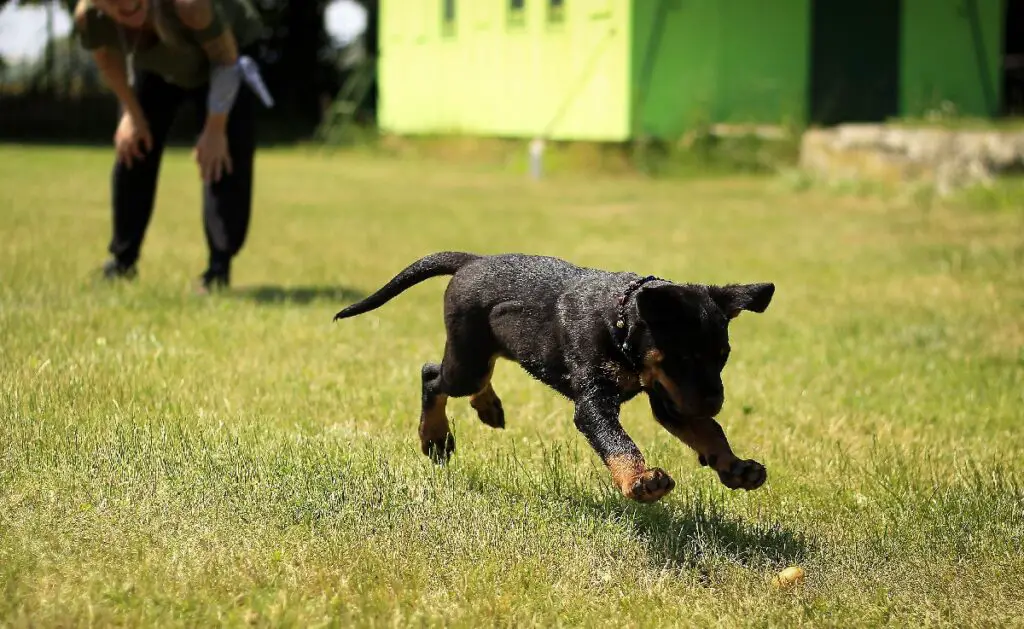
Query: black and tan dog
[597, 337]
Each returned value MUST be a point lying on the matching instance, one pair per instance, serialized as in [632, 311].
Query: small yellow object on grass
[790, 576]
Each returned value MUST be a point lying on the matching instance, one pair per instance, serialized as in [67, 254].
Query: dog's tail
[433, 265]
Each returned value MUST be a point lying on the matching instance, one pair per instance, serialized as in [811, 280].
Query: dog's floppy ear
[734, 298]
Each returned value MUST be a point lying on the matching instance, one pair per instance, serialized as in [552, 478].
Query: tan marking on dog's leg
[484, 396]
[488, 408]
[636, 481]
[486, 402]
[485, 392]
[625, 471]
[707, 438]
[434, 429]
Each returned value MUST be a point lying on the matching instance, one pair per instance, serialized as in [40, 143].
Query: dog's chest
[628, 382]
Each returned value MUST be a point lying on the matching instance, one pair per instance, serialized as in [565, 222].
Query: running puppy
[597, 337]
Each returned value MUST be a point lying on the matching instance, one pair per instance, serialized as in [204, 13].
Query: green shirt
[183, 63]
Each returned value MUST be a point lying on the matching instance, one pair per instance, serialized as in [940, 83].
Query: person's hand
[211, 154]
[131, 137]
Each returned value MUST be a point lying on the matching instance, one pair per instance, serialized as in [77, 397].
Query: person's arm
[100, 40]
[222, 50]
[114, 70]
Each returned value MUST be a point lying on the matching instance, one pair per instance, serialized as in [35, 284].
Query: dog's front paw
[743, 474]
[439, 449]
[651, 485]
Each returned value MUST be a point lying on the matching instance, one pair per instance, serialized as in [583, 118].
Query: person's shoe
[113, 270]
[212, 281]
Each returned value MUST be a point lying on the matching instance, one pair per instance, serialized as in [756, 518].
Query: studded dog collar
[620, 319]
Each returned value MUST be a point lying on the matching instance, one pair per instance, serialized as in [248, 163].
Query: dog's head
[688, 340]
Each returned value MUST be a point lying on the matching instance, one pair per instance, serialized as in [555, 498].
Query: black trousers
[227, 203]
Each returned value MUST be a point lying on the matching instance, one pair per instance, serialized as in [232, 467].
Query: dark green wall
[743, 61]
[855, 61]
[708, 60]
[674, 65]
[763, 62]
[952, 51]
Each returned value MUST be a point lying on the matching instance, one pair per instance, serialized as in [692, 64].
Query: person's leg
[134, 187]
[227, 203]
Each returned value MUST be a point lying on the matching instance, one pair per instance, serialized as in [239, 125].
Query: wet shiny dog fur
[597, 337]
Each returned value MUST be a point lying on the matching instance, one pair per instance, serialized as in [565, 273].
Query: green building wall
[764, 60]
[493, 73]
[612, 70]
[952, 51]
[750, 61]
[711, 61]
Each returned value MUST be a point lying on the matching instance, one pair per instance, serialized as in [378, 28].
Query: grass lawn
[172, 460]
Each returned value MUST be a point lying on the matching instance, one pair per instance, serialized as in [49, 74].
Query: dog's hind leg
[436, 440]
[486, 402]
[464, 371]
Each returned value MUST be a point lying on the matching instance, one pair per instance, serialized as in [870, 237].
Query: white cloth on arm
[226, 80]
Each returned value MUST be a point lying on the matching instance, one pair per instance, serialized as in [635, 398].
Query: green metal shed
[612, 70]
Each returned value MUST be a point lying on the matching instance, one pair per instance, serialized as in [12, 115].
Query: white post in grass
[536, 157]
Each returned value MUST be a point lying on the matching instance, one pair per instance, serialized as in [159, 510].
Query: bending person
[156, 55]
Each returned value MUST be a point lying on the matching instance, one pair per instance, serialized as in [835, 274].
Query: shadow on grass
[699, 531]
[273, 295]
[695, 528]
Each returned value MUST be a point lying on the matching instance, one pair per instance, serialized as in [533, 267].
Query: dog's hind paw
[440, 449]
[651, 486]
[488, 408]
[743, 474]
